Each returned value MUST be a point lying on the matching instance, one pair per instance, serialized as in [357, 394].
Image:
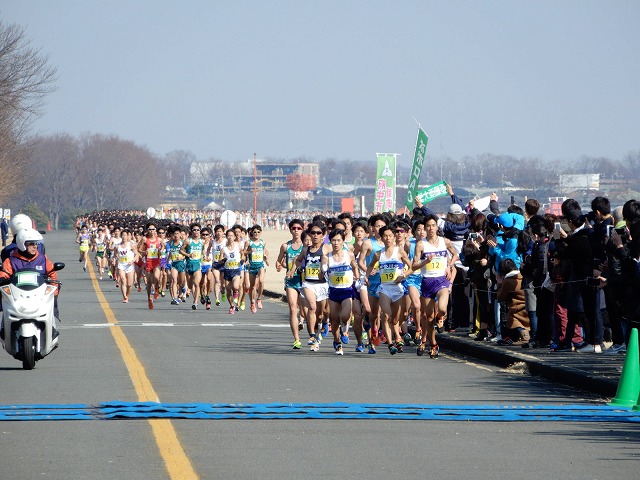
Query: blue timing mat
[324, 411]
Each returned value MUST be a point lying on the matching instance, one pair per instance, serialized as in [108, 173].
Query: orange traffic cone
[49, 225]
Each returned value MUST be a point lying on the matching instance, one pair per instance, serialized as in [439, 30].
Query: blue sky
[344, 79]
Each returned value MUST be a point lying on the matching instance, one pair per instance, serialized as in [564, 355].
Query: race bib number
[197, 255]
[101, 247]
[388, 275]
[340, 279]
[257, 257]
[233, 264]
[152, 252]
[438, 263]
[216, 256]
[312, 273]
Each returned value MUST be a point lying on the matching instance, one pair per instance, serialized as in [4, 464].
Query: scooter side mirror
[58, 266]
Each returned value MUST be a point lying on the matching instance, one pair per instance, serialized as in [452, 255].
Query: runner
[164, 270]
[314, 284]
[192, 250]
[177, 275]
[150, 247]
[114, 242]
[100, 241]
[127, 254]
[83, 240]
[218, 266]
[392, 262]
[342, 270]
[232, 258]
[369, 247]
[289, 251]
[206, 284]
[257, 255]
[435, 256]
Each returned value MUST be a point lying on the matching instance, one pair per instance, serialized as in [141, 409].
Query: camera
[473, 235]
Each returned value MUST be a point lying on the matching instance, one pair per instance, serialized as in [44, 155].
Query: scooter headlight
[7, 289]
[50, 289]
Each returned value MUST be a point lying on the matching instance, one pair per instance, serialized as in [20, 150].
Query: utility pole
[255, 190]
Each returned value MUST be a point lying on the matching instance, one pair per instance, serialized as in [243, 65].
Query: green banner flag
[385, 183]
[432, 191]
[416, 169]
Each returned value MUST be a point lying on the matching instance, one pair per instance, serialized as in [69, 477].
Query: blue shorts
[339, 295]
[179, 266]
[414, 280]
[205, 268]
[255, 270]
[192, 267]
[432, 285]
[372, 289]
[295, 283]
[230, 274]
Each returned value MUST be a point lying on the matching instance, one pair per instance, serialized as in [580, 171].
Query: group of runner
[385, 277]
[207, 263]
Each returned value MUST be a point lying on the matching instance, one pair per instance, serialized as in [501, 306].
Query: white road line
[158, 325]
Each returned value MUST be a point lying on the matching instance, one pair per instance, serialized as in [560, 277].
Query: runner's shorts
[320, 289]
[338, 295]
[394, 291]
[432, 285]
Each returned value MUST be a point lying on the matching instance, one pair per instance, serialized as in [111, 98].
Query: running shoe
[315, 346]
[139, 288]
[435, 351]
[259, 303]
[325, 329]
[175, 302]
[300, 325]
[344, 338]
[156, 295]
[217, 303]
[162, 293]
[297, 345]
[84, 268]
[117, 284]
[365, 323]
[420, 350]
[253, 308]
[400, 347]
[417, 340]
[311, 340]
[242, 306]
[203, 299]
[393, 349]
[407, 338]
[208, 304]
[338, 348]
[236, 308]
[372, 349]
[150, 304]
[232, 310]
[360, 348]
[194, 307]
[100, 277]
[110, 274]
[224, 297]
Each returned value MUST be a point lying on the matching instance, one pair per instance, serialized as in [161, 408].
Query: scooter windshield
[27, 279]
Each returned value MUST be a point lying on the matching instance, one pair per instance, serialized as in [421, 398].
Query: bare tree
[25, 80]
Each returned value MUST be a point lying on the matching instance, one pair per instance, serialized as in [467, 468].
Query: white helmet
[20, 222]
[27, 235]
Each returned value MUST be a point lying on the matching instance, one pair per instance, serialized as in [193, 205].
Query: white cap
[20, 222]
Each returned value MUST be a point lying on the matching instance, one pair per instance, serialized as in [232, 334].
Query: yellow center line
[175, 458]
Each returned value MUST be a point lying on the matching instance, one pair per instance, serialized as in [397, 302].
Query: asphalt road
[116, 352]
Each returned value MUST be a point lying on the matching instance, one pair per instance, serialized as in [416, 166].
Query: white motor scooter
[28, 315]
